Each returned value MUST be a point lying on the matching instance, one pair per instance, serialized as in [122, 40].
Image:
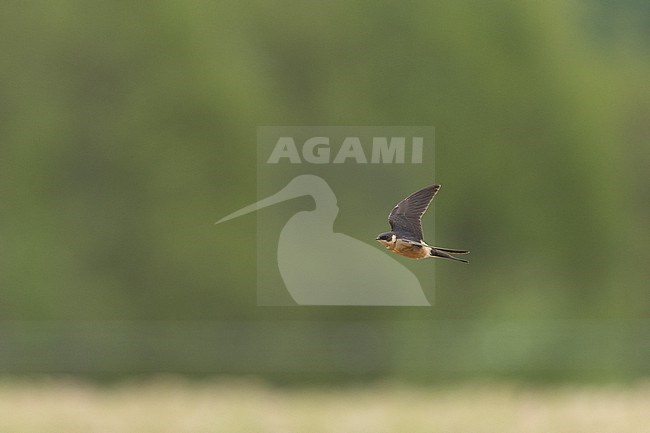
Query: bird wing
[406, 218]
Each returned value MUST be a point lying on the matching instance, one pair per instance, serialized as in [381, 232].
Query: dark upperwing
[406, 218]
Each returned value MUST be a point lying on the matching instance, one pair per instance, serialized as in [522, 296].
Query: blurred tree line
[128, 128]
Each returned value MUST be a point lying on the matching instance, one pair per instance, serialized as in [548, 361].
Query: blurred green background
[128, 128]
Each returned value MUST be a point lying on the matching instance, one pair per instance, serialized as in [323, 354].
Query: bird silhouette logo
[321, 267]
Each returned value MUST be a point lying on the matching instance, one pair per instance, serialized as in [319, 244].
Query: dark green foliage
[128, 128]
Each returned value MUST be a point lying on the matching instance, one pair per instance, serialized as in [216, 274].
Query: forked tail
[439, 252]
[449, 250]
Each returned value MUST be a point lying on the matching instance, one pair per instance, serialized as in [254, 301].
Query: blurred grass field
[170, 404]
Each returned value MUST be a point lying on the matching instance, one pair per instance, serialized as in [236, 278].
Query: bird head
[386, 238]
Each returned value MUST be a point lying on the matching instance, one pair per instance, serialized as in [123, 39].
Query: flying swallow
[405, 237]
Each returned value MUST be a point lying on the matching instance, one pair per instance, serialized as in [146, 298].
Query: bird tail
[435, 252]
[449, 250]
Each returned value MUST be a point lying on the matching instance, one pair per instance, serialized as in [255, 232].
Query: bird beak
[281, 196]
[377, 238]
[299, 186]
[291, 191]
